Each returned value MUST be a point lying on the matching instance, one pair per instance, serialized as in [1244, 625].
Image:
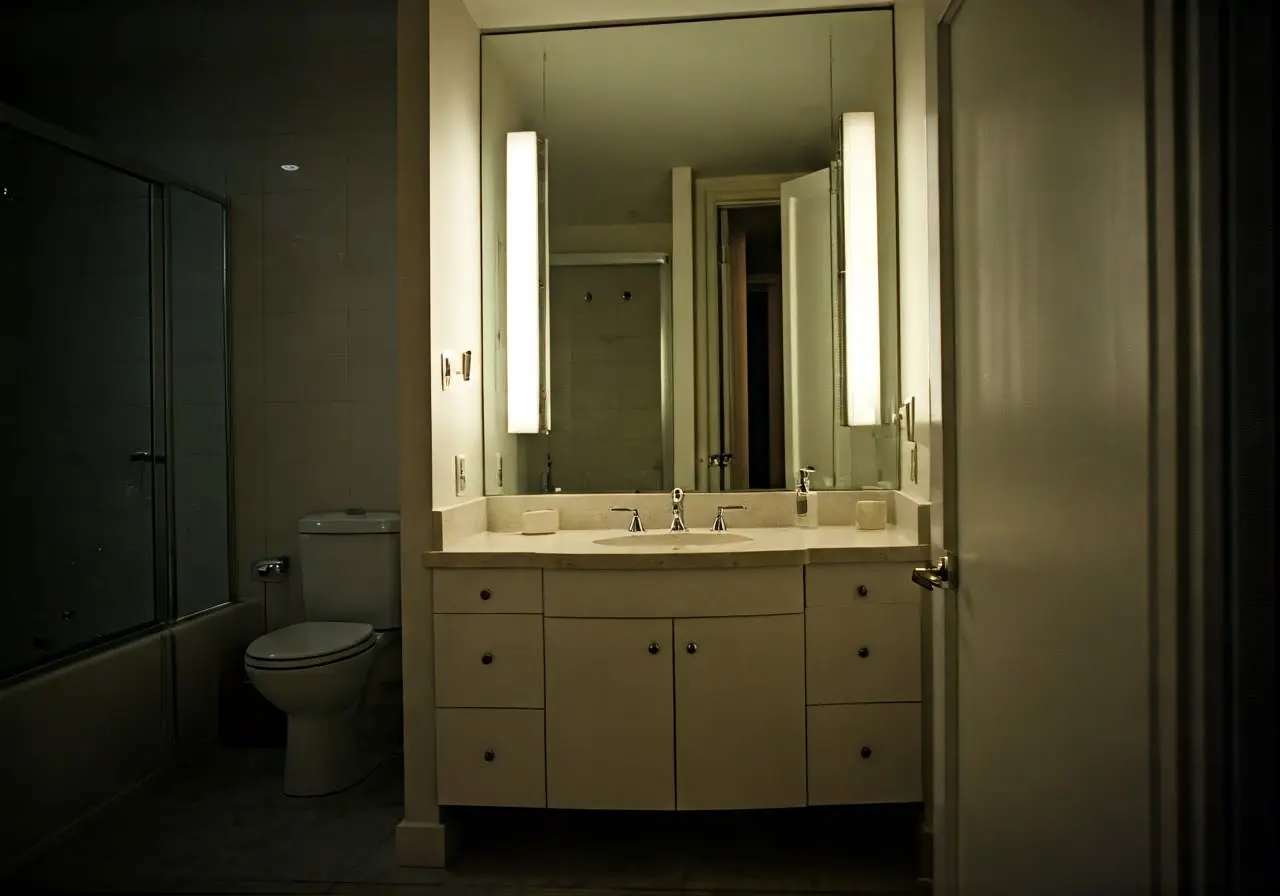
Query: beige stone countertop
[577, 549]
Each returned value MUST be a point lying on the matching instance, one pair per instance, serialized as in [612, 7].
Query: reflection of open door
[808, 365]
[739, 470]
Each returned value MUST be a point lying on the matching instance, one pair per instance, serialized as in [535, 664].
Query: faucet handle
[636, 525]
[718, 525]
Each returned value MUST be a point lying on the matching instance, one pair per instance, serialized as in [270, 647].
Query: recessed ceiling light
[289, 167]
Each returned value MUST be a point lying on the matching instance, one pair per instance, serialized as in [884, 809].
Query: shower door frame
[160, 185]
[663, 262]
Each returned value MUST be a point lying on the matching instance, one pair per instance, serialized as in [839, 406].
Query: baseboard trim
[421, 844]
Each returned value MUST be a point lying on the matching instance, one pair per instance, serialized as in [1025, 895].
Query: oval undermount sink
[671, 539]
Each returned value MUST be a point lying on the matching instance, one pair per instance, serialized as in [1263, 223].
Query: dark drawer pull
[489, 755]
[487, 658]
[866, 752]
[863, 652]
[862, 591]
[485, 594]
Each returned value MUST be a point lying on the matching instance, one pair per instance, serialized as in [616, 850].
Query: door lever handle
[931, 577]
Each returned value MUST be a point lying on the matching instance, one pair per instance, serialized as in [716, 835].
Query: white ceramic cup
[871, 514]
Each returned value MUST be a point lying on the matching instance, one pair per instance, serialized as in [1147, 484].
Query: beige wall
[501, 115]
[917, 239]
[651, 237]
[439, 269]
[457, 421]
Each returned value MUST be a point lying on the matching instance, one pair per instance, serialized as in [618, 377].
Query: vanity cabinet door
[740, 713]
[610, 734]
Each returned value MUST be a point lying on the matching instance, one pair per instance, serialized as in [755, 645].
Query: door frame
[710, 195]
[1175, 511]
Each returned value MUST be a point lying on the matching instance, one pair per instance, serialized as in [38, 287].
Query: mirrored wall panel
[690, 255]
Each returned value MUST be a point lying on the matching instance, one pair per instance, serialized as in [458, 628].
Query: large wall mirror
[758, 155]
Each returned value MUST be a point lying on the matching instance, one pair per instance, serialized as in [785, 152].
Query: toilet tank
[350, 564]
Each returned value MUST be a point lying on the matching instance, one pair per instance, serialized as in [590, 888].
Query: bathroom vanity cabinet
[728, 688]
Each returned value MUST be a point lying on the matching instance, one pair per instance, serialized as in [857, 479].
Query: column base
[422, 844]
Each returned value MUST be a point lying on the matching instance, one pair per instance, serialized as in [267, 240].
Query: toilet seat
[310, 644]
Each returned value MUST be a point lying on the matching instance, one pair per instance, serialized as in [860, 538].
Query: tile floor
[221, 825]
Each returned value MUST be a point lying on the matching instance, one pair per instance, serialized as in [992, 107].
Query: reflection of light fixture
[527, 331]
[288, 167]
[861, 263]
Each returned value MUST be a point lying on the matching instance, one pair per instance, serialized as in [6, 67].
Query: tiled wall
[606, 382]
[224, 95]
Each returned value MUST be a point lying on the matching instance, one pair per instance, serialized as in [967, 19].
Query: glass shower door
[76, 257]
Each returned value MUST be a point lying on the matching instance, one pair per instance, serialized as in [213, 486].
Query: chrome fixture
[677, 510]
[272, 569]
[803, 490]
[635, 525]
[805, 473]
[718, 525]
[941, 576]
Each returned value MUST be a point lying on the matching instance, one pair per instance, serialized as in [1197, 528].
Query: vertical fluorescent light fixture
[526, 324]
[861, 269]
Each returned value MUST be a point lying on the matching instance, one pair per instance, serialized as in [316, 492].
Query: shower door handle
[143, 457]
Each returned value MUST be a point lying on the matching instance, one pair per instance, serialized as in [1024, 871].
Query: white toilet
[317, 671]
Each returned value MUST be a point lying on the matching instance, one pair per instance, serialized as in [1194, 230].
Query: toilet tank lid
[349, 522]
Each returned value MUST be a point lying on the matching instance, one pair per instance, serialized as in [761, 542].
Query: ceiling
[507, 14]
[155, 33]
[622, 106]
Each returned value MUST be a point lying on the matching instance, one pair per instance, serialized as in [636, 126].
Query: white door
[808, 363]
[1045, 499]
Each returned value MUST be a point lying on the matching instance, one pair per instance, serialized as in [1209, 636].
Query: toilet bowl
[316, 673]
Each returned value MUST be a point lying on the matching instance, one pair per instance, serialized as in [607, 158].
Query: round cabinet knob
[489, 755]
[485, 594]
[862, 591]
[692, 647]
[488, 658]
[866, 752]
[862, 652]
[654, 648]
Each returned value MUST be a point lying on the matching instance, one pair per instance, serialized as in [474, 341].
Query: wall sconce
[859, 269]
[528, 330]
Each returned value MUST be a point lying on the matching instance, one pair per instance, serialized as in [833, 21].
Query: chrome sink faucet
[636, 526]
[677, 510]
[718, 525]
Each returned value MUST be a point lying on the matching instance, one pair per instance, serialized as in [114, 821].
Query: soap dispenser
[806, 500]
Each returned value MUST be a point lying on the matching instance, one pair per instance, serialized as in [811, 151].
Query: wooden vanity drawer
[489, 660]
[865, 754]
[850, 584]
[491, 757]
[862, 654]
[667, 594]
[487, 590]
